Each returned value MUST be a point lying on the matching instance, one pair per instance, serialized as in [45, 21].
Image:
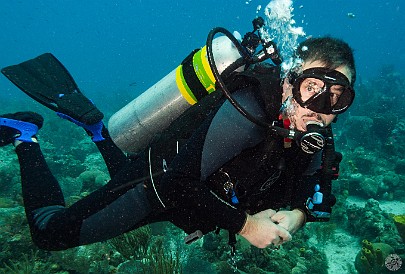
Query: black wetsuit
[186, 188]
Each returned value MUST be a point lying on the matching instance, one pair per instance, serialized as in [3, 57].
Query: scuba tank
[134, 126]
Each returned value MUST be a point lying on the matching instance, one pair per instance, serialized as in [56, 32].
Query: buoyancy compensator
[201, 73]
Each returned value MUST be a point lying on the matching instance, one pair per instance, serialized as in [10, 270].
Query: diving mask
[322, 90]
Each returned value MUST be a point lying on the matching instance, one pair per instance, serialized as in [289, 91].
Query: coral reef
[93, 258]
[355, 127]
[399, 221]
[369, 175]
[324, 231]
[400, 167]
[371, 258]
[28, 264]
[92, 179]
[160, 260]
[296, 256]
[14, 235]
[134, 244]
[157, 259]
[373, 223]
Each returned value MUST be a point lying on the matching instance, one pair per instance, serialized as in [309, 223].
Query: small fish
[351, 15]
[133, 84]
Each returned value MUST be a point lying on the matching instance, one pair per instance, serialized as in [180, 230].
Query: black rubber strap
[191, 78]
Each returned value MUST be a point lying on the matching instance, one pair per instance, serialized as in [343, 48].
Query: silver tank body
[134, 126]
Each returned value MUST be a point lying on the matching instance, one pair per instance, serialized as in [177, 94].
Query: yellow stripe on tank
[203, 70]
[183, 87]
[206, 65]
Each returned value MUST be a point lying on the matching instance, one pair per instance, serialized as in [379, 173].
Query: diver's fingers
[284, 235]
[266, 213]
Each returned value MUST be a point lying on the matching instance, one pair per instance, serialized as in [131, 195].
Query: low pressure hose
[219, 82]
[310, 141]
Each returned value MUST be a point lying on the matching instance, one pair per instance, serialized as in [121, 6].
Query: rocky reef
[371, 258]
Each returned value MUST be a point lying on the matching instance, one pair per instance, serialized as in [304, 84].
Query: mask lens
[335, 92]
[311, 87]
[322, 93]
[341, 102]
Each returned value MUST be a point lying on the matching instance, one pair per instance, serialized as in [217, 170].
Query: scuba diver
[261, 182]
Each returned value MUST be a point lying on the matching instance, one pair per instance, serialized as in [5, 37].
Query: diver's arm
[259, 229]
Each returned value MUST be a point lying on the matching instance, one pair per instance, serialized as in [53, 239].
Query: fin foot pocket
[20, 126]
[94, 130]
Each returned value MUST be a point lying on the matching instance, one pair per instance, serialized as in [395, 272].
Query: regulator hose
[246, 59]
[310, 141]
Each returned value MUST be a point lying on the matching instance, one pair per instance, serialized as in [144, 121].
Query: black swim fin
[46, 80]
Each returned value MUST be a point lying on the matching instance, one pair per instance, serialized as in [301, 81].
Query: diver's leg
[39, 186]
[117, 207]
[40, 189]
[42, 195]
[113, 209]
[113, 157]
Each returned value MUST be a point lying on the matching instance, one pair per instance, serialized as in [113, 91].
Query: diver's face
[299, 116]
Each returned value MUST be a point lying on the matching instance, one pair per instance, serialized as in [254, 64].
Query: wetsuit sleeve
[313, 193]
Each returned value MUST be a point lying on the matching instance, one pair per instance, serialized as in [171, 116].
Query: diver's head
[331, 52]
[322, 86]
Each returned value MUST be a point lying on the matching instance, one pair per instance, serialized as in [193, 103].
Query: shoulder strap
[267, 78]
[330, 160]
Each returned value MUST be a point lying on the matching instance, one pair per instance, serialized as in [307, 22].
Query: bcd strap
[321, 211]
[330, 159]
[267, 78]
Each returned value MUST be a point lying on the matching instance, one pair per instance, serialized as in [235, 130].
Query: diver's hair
[332, 52]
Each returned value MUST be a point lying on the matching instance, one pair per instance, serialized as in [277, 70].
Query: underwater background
[117, 49]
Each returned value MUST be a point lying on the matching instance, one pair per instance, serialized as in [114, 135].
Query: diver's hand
[290, 220]
[261, 231]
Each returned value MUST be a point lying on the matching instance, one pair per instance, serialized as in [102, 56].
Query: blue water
[112, 46]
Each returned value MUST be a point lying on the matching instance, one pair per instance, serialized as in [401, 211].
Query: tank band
[203, 70]
[191, 78]
[183, 87]
[194, 77]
